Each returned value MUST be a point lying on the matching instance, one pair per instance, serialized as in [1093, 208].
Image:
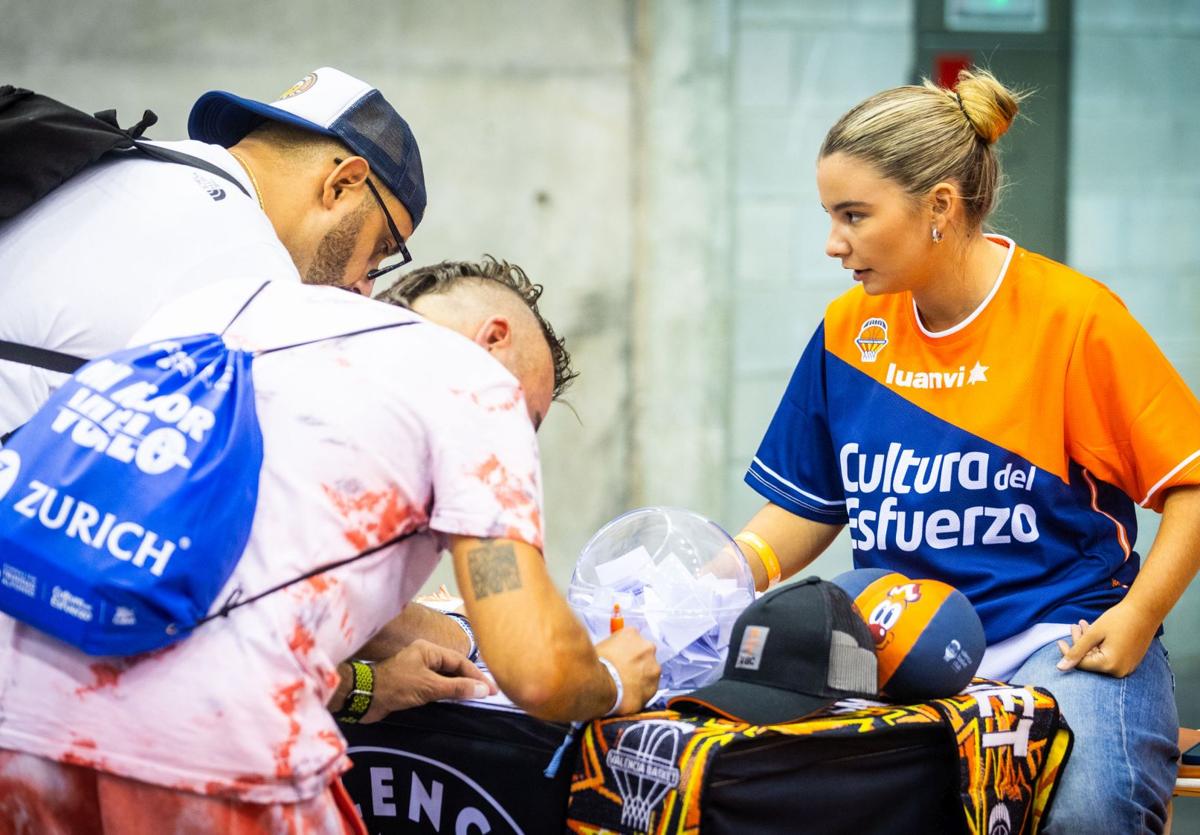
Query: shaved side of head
[466, 305]
[464, 295]
[296, 144]
[483, 310]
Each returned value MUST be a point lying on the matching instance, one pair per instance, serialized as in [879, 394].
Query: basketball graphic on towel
[928, 637]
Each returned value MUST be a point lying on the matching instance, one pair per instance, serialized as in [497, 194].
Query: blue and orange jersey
[1003, 456]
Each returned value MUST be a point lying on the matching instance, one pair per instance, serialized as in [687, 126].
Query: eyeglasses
[401, 249]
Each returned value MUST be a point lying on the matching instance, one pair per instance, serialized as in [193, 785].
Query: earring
[936, 235]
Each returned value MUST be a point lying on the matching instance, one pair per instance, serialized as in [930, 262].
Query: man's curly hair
[443, 277]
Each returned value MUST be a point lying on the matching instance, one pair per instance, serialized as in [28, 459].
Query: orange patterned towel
[646, 773]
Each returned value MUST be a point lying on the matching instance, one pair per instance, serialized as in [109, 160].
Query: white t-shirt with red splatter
[364, 438]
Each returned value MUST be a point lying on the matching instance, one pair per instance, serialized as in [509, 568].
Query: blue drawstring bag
[127, 499]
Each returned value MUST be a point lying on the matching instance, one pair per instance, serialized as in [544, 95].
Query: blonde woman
[979, 414]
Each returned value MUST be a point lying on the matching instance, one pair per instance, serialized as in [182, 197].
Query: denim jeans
[1122, 769]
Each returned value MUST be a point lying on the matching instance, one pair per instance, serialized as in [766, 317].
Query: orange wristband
[766, 555]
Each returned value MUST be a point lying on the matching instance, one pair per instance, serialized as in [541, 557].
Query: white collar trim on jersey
[1012, 247]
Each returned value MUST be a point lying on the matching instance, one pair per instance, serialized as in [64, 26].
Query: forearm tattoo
[493, 569]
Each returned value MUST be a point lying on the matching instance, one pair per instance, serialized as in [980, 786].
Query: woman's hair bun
[988, 105]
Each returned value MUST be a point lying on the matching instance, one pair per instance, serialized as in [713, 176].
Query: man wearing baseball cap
[323, 185]
[339, 133]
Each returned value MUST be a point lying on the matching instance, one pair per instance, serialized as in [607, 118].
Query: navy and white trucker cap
[329, 102]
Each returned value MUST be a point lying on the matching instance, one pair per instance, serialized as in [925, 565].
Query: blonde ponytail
[921, 135]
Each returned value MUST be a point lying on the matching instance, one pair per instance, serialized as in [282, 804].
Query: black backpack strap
[69, 363]
[46, 143]
[265, 351]
[40, 357]
[180, 158]
[335, 336]
[149, 119]
[235, 601]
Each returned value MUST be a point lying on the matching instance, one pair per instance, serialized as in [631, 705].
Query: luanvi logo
[955, 379]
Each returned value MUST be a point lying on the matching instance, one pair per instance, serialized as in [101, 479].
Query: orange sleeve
[1130, 417]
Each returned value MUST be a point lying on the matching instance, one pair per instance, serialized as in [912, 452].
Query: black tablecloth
[456, 768]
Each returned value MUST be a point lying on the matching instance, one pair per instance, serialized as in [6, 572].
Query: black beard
[336, 249]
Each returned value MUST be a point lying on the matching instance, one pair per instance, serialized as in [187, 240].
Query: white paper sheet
[689, 618]
[624, 572]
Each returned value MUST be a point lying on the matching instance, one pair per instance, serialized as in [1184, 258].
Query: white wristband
[616, 677]
[461, 620]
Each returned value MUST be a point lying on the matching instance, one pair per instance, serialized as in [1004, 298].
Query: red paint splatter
[71, 758]
[494, 400]
[301, 641]
[285, 697]
[321, 583]
[283, 752]
[234, 788]
[344, 625]
[513, 494]
[393, 517]
[374, 516]
[510, 492]
[24, 792]
[332, 738]
[106, 675]
[503, 403]
[83, 742]
[285, 700]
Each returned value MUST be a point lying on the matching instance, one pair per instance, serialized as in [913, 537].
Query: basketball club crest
[644, 766]
[872, 338]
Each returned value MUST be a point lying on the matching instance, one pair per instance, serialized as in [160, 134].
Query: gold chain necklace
[249, 173]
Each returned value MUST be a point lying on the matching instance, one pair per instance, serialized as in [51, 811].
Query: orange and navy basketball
[928, 637]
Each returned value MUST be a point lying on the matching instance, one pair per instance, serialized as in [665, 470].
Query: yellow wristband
[766, 554]
[362, 689]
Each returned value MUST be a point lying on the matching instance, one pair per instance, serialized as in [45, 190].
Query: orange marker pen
[617, 622]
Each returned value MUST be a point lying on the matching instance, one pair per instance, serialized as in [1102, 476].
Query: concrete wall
[1134, 205]
[797, 68]
[524, 113]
